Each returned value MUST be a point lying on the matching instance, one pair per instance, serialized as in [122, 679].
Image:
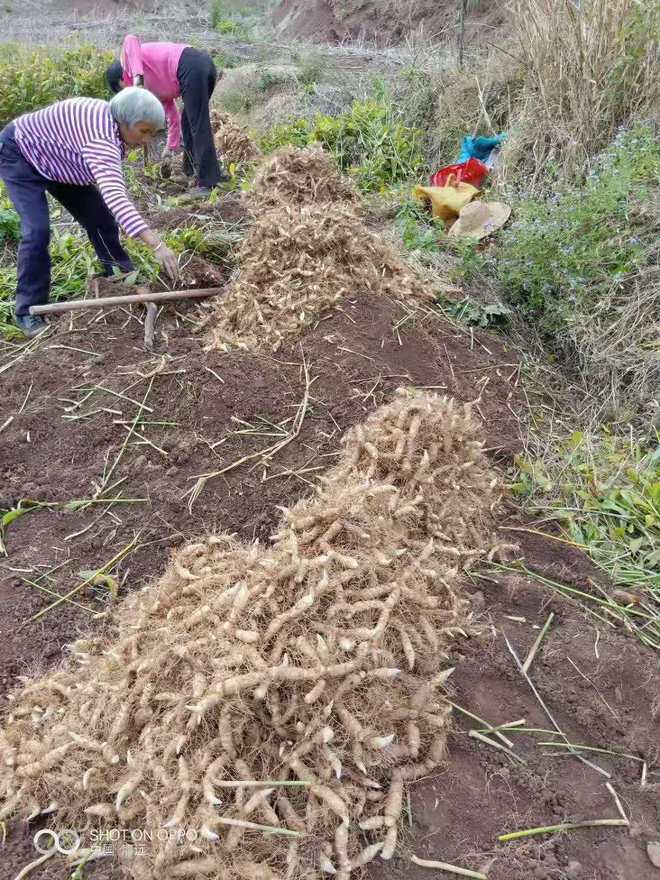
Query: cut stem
[537, 644]
[474, 734]
[489, 727]
[547, 711]
[565, 826]
[618, 803]
[571, 746]
[103, 570]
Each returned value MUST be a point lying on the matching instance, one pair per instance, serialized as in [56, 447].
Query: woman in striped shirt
[73, 150]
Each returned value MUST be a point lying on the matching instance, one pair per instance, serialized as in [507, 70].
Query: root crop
[296, 176]
[232, 142]
[295, 264]
[319, 660]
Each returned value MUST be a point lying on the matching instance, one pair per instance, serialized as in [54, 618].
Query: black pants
[197, 77]
[27, 190]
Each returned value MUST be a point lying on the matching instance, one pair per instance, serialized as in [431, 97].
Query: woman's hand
[167, 259]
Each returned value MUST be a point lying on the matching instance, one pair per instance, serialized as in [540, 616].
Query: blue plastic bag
[479, 147]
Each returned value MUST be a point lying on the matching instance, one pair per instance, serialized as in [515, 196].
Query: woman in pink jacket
[169, 71]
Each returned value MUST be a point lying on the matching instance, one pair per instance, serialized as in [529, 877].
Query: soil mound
[294, 688]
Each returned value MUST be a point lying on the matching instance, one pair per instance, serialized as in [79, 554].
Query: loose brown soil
[359, 354]
[388, 23]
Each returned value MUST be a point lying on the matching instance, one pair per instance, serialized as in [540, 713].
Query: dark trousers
[197, 78]
[27, 190]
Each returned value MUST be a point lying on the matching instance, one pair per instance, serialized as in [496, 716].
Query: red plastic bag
[473, 171]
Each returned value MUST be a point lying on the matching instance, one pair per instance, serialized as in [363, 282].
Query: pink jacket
[157, 63]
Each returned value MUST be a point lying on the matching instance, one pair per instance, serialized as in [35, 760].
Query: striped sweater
[77, 141]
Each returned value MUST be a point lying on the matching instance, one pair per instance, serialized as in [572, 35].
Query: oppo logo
[65, 842]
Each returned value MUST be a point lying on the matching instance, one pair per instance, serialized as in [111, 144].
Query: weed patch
[73, 262]
[605, 491]
[580, 266]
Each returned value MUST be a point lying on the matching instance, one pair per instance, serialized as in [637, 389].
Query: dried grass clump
[232, 142]
[298, 176]
[295, 264]
[589, 68]
[617, 341]
[318, 661]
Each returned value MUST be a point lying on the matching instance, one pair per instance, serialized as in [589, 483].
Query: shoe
[30, 325]
[199, 192]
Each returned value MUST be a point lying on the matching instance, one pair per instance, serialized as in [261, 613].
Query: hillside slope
[387, 22]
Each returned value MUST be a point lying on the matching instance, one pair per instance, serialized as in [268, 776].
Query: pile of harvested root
[232, 142]
[294, 265]
[262, 709]
[298, 176]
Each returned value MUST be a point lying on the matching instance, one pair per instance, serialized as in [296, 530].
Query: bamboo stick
[102, 302]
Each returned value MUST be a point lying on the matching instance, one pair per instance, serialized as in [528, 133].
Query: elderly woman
[73, 150]
[170, 71]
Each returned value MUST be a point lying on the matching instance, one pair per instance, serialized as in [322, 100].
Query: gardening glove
[168, 153]
[167, 259]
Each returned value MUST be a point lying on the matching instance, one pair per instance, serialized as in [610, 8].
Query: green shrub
[561, 255]
[225, 60]
[227, 26]
[270, 78]
[34, 78]
[369, 142]
[231, 20]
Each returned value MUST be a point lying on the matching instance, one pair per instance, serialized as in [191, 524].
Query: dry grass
[318, 661]
[618, 345]
[590, 67]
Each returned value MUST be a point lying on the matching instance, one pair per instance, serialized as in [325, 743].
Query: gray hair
[133, 105]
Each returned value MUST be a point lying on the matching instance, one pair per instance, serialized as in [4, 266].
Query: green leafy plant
[419, 231]
[583, 267]
[475, 314]
[560, 252]
[605, 490]
[34, 78]
[310, 69]
[369, 141]
[10, 226]
[230, 20]
[269, 78]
